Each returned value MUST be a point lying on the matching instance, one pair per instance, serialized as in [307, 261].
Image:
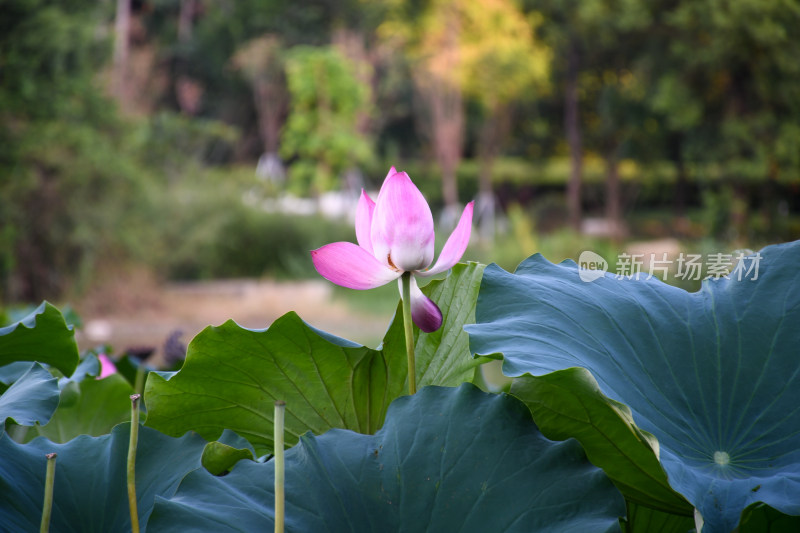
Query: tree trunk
[681, 184]
[445, 124]
[680, 200]
[614, 195]
[270, 101]
[494, 130]
[270, 98]
[573, 129]
[770, 204]
[444, 115]
[185, 20]
[740, 212]
[352, 44]
[122, 26]
[448, 123]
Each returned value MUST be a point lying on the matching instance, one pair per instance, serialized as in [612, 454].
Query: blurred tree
[261, 61]
[196, 40]
[354, 33]
[68, 182]
[622, 122]
[122, 28]
[502, 65]
[321, 132]
[616, 81]
[435, 70]
[456, 49]
[606, 48]
[429, 34]
[731, 94]
[568, 29]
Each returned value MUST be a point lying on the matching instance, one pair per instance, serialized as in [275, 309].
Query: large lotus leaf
[447, 459]
[713, 375]
[90, 491]
[232, 376]
[95, 406]
[32, 398]
[568, 403]
[42, 336]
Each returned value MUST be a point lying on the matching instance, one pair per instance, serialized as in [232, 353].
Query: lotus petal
[351, 266]
[402, 225]
[455, 246]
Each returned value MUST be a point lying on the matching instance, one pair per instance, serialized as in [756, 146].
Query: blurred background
[168, 164]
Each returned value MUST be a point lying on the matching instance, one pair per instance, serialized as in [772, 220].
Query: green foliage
[216, 239]
[69, 184]
[733, 61]
[177, 145]
[70, 197]
[49, 55]
[502, 63]
[322, 131]
[427, 469]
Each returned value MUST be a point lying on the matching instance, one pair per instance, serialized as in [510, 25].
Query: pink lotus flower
[395, 235]
[106, 366]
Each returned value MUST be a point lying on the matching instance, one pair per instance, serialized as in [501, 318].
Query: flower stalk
[280, 410]
[138, 386]
[134, 440]
[409, 333]
[49, 481]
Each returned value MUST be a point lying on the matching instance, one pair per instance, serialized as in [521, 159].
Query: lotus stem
[47, 506]
[138, 386]
[280, 410]
[408, 326]
[132, 462]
